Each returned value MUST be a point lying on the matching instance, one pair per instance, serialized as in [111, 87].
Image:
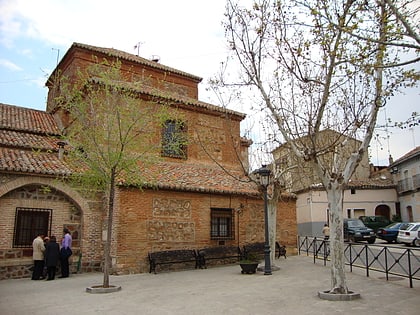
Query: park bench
[229, 253]
[169, 257]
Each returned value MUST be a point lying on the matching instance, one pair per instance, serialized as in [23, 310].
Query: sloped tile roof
[369, 183]
[25, 119]
[372, 183]
[25, 161]
[167, 95]
[199, 178]
[26, 148]
[28, 142]
[10, 138]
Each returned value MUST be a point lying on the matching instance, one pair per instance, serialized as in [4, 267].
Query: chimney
[61, 145]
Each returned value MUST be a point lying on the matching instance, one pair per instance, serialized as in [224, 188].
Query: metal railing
[391, 260]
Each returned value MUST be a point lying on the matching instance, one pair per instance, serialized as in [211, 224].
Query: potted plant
[249, 264]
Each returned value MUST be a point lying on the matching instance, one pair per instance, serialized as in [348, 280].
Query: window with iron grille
[29, 222]
[174, 139]
[222, 224]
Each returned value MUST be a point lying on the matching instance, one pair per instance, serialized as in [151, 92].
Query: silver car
[409, 234]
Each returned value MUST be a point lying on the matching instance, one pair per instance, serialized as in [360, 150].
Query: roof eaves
[146, 90]
[195, 189]
[411, 154]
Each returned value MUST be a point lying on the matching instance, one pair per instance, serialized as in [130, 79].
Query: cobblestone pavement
[292, 289]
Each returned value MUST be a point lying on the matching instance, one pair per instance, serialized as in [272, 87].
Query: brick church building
[195, 201]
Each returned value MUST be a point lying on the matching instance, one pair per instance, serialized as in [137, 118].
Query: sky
[184, 34]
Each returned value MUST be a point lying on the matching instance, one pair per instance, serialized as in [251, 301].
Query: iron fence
[391, 260]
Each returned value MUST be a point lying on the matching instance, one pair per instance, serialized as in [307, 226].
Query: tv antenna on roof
[58, 54]
[137, 46]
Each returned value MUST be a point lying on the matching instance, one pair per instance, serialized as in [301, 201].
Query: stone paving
[293, 289]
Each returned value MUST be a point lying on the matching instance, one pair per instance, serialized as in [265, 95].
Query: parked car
[375, 221]
[355, 231]
[409, 234]
[390, 232]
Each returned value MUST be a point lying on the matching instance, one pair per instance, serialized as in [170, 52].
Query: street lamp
[264, 177]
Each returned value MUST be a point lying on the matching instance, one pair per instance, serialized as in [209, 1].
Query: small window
[29, 222]
[353, 191]
[174, 139]
[222, 225]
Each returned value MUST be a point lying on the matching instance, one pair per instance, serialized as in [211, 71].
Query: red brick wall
[164, 80]
[162, 220]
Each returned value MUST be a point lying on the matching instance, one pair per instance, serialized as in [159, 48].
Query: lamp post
[264, 176]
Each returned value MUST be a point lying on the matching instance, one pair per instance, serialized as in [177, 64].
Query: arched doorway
[31, 205]
[383, 210]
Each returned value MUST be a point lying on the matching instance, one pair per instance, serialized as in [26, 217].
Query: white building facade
[406, 172]
[359, 200]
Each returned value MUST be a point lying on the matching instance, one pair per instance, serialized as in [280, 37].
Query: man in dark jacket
[52, 255]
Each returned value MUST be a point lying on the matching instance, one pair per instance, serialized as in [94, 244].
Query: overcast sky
[185, 34]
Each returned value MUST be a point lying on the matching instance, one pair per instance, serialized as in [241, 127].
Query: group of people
[47, 253]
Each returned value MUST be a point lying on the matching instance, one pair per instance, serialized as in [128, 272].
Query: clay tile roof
[369, 183]
[25, 119]
[10, 138]
[26, 161]
[28, 142]
[148, 90]
[372, 183]
[199, 178]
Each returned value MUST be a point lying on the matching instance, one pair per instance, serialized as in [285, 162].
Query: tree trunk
[272, 228]
[272, 218]
[335, 204]
[107, 250]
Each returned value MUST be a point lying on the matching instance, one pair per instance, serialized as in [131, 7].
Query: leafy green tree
[113, 132]
[322, 64]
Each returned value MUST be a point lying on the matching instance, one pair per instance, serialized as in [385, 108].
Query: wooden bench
[169, 257]
[217, 253]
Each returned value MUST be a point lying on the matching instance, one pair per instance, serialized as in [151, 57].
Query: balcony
[405, 185]
[416, 181]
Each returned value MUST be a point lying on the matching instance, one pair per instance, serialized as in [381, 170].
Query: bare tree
[319, 65]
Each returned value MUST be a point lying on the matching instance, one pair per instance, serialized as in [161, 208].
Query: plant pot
[248, 267]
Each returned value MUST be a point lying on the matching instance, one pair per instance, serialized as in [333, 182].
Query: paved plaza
[219, 290]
